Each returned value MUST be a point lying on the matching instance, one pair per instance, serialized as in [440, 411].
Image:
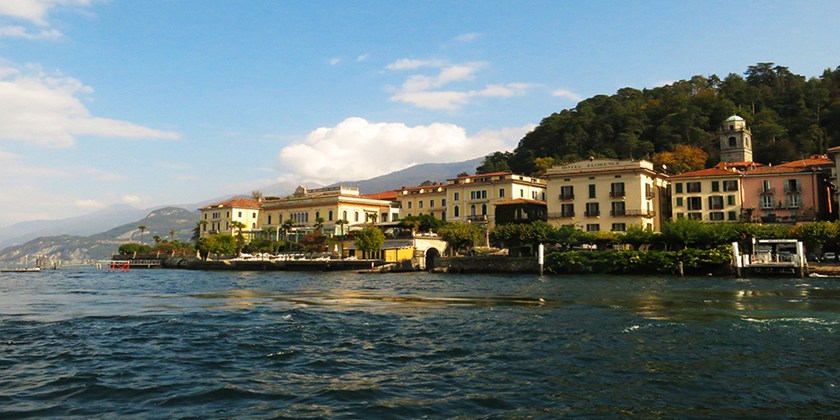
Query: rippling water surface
[168, 343]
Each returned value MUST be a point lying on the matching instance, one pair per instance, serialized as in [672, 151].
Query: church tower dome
[735, 140]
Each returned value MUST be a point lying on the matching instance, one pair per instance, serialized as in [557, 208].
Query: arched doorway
[432, 254]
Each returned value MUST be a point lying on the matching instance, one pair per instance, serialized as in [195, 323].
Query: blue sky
[159, 102]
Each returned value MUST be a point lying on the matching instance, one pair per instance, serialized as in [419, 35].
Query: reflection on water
[161, 343]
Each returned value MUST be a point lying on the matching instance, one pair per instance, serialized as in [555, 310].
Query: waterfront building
[711, 195]
[219, 218]
[423, 200]
[473, 198]
[791, 192]
[607, 195]
[305, 207]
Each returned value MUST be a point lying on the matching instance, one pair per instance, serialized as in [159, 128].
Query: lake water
[168, 343]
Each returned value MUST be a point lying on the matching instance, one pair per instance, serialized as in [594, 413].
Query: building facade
[792, 192]
[473, 198]
[607, 195]
[709, 195]
[219, 218]
[423, 200]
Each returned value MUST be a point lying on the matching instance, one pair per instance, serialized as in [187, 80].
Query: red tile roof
[812, 161]
[519, 201]
[706, 173]
[385, 195]
[242, 203]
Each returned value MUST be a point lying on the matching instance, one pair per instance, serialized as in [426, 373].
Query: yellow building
[219, 218]
[606, 195]
[473, 198]
[331, 204]
[710, 195]
[423, 200]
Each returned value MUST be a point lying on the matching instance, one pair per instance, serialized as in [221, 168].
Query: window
[269, 219]
[715, 186]
[484, 209]
[239, 214]
[793, 201]
[344, 215]
[521, 193]
[767, 201]
[591, 190]
[472, 210]
[680, 215]
[716, 203]
[567, 210]
[679, 202]
[692, 187]
[617, 189]
[765, 186]
[409, 204]
[593, 227]
[420, 204]
[716, 216]
[793, 186]
[732, 215]
[472, 195]
[730, 185]
[567, 192]
[317, 215]
[455, 197]
[695, 216]
[730, 200]
[431, 203]
[694, 203]
[535, 195]
[443, 202]
[732, 141]
[356, 216]
[456, 211]
[617, 208]
[619, 227]
[330, 216]
[501, 192]
[592, 210]
[678, 187]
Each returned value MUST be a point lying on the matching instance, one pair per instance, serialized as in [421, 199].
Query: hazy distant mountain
[88, 224]
[414, 176]
[77, 249]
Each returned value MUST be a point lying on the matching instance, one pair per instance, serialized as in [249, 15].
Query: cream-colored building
[331, 204]
[423, 200]
[710, 195]
[219, 218]
[472, 198]
[606, 195]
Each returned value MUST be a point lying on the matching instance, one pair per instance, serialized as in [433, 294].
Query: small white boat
[21, 270]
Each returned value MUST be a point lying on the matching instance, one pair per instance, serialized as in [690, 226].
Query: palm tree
[142, 229]
[341, 223]
[239, 238]
[287, 227]
[199, 226]
[171, 235]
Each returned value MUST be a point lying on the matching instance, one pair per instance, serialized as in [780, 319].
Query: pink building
[792, 192]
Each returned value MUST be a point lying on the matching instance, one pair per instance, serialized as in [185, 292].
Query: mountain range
[93, 236]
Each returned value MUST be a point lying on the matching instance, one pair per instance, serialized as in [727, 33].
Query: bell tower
[735, 140]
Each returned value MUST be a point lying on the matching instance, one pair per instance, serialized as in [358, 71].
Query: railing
[650, 195]
[477, 218]
[617, 213]
[641, 213]
[617, 194]
[567, 196]
[766, 191]
[561, 215]
[594, 213]
[795, 190]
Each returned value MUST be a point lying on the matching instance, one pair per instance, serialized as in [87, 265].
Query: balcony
[640, 213]
[615, 213]
[477, 218]
[561, 215]
[795, 189]
[569, 196]
[594, 213]
[766, 191]
[617, 194]
[650, 195]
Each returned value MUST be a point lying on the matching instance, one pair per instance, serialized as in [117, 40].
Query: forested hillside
[790, 116]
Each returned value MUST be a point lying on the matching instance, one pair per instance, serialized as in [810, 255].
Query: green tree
[240, 239]
[370, 239]
[495, 162]
[142, 230]
[341, 223]
[314, 242]
[461, 236]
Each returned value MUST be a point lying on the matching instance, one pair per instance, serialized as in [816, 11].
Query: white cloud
[89, 204]
[363, 57]
[426, 91]
[33, 12]
[467, 37]
[131, 199]
[358, 149]
[568, 94]
[48, 110]
[412, 64]
[335, 61]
